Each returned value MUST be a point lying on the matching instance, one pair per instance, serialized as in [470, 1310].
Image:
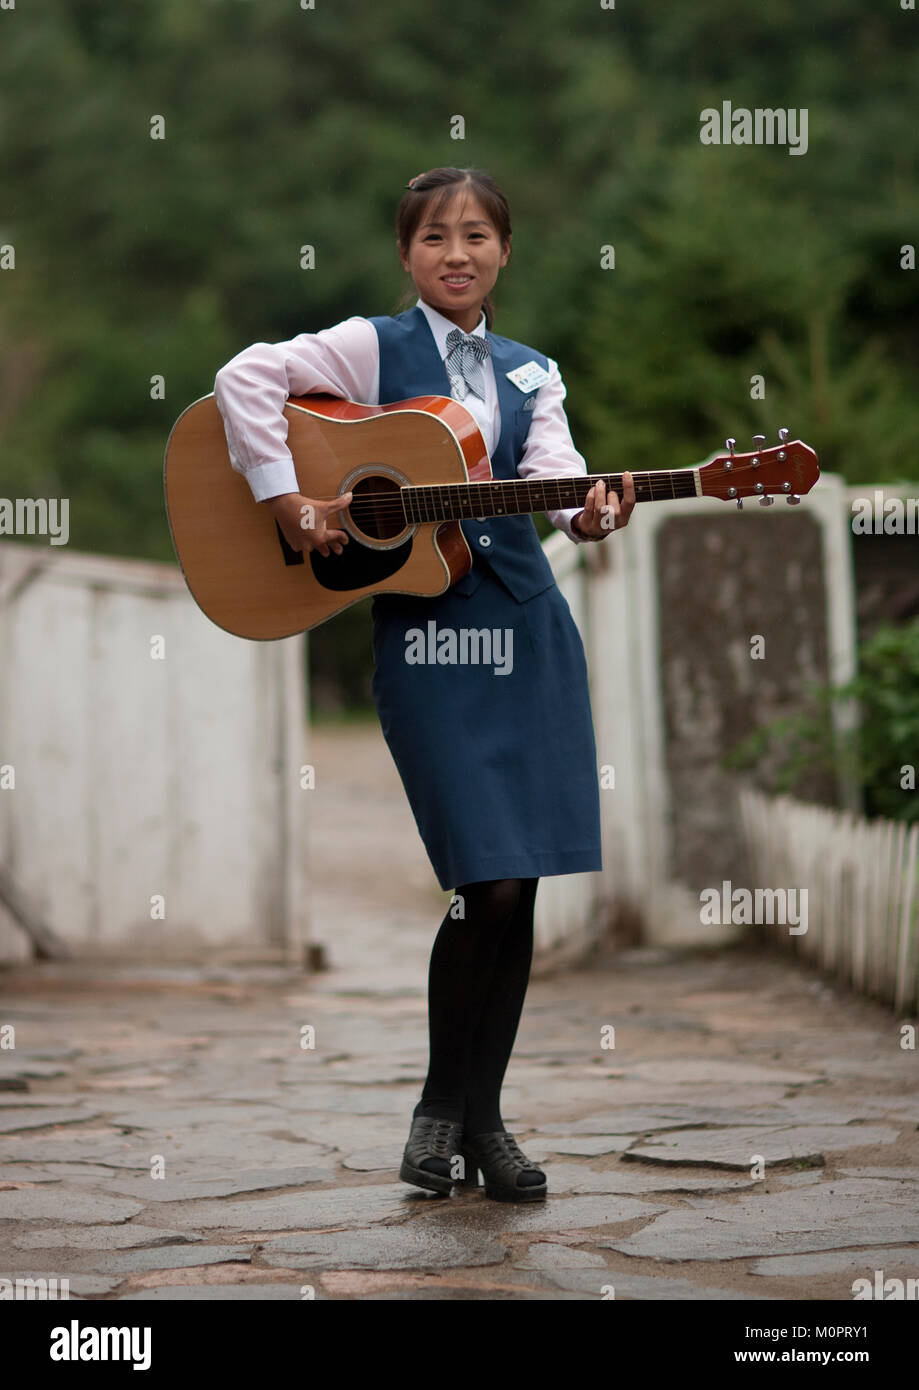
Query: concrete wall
[136, 776]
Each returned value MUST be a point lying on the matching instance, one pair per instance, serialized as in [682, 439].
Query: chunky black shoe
[436, 1144]
[509, 1175]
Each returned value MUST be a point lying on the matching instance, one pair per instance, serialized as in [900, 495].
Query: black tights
[480, 967]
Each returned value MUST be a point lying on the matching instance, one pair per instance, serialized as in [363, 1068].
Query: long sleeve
[549, 449]
[252, 388]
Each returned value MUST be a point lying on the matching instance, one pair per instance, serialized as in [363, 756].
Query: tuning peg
[767, 501]
[730, 444]
[740, 504]
[793, 500]
[783, 436]
[758, 441]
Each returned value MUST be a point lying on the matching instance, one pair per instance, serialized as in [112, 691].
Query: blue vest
[410, 365]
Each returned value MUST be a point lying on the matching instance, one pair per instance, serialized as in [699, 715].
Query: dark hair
[433, 191]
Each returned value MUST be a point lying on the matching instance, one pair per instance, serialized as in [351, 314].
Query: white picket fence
[862, 881]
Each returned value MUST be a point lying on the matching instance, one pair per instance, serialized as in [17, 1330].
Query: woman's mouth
[456, 283]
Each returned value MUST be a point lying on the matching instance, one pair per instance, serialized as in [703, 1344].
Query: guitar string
[397, 509]
[421, 516]
[650, 477]
[391, 505]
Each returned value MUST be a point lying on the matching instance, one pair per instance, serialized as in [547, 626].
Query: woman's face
[454, 259]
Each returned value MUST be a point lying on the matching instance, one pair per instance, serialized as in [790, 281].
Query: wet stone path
[163, 1133]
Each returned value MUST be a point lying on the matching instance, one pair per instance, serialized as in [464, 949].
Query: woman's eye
[473, 236]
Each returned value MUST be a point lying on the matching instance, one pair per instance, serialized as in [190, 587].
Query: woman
[498, 759]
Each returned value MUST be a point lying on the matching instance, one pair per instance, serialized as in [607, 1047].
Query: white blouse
[252, 388]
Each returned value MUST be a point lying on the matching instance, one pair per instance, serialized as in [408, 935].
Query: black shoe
[436, 1144]
[503, 1167]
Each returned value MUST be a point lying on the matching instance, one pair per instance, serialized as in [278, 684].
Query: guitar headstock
[787, 470]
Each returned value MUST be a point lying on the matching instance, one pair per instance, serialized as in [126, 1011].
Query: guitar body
[241, 571]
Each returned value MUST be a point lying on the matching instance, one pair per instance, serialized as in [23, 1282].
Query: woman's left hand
[604, 514]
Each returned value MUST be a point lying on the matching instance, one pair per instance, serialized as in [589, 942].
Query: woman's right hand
[308, 524]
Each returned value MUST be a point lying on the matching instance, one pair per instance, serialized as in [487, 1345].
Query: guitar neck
[514, 497]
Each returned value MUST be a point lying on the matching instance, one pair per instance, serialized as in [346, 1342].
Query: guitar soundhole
[376, 507]
[376, 512]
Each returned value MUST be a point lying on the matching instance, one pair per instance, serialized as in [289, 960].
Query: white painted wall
[136, 777]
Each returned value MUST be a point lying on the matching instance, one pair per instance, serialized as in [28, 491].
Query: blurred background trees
[138, 257]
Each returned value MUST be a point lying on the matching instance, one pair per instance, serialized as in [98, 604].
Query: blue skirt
[485, 707]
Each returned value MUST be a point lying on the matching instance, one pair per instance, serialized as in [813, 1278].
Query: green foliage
[885, 690]
[138, 257]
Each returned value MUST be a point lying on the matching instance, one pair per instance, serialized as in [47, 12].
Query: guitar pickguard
[357, 565]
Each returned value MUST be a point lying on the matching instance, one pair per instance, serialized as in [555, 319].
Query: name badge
[528, 377]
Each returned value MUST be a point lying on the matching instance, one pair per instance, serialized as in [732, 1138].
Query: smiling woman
[453, 244]
[498, 803]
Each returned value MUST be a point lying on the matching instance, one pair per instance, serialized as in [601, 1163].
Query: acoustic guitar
[416, 469]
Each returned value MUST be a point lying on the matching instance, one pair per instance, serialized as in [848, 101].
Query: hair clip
[413, 181]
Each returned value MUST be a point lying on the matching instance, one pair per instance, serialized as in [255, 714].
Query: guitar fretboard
[514, 497]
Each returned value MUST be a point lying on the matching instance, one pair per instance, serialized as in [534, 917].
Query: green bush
[881, 753]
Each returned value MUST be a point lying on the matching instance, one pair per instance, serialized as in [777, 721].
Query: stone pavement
[280, 1161]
